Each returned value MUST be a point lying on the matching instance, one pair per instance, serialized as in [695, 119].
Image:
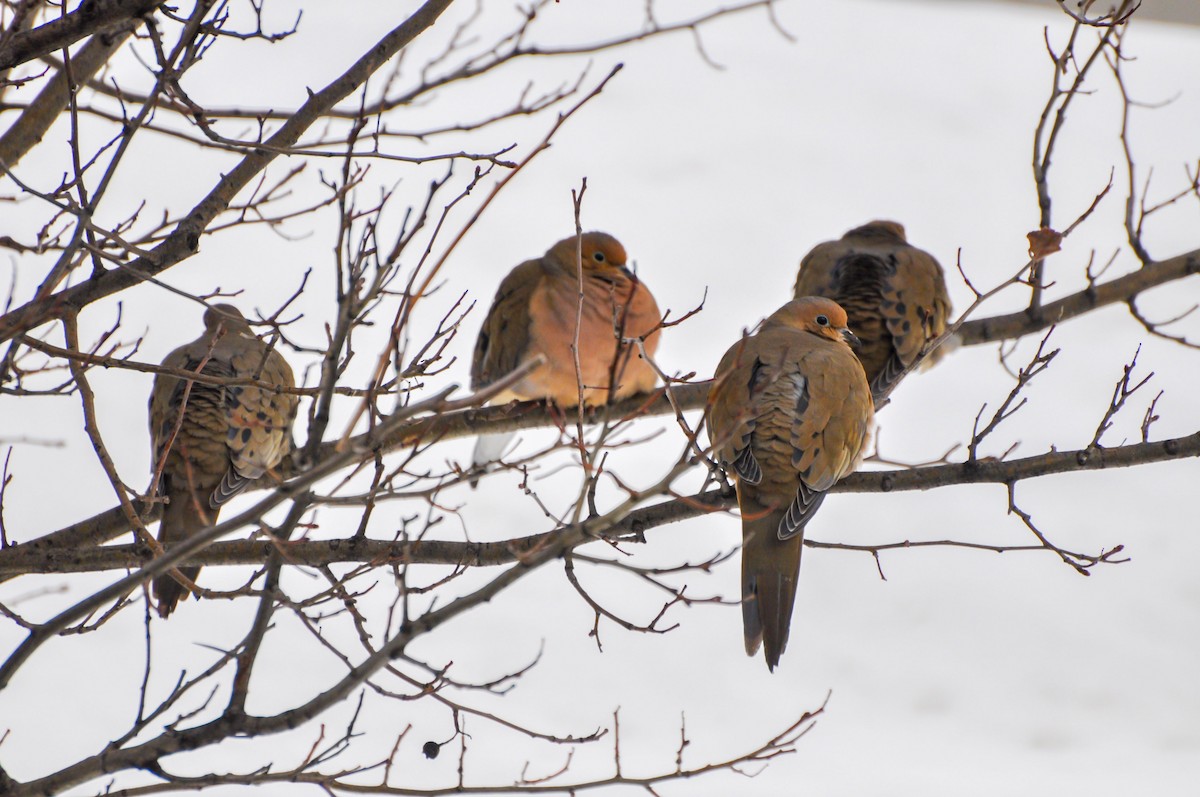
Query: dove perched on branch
[228, 435]
[543, 307]
[789, 414]
[894, 294]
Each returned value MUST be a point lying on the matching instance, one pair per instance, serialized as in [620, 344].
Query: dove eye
[822, 321]
[598, 257]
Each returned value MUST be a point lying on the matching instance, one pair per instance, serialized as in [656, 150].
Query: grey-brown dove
[894, 294]
[229, 436]
[789, 414]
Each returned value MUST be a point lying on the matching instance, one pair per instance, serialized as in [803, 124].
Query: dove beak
[851, 338]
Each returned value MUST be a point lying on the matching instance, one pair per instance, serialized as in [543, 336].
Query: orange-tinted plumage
[538, 310]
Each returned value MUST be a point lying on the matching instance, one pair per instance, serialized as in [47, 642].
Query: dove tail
[180, 520]
[168, 592]
[770, 569]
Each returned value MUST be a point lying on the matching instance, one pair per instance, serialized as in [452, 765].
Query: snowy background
[961, 673]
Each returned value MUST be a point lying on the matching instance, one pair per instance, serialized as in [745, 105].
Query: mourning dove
[789, 414]
[229, 436]
[894, 294]
[542, 308]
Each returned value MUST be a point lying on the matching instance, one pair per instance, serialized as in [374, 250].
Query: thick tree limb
[530, 415]
[89, 18]
[30, 558]
[29, 128]
[1119, 290]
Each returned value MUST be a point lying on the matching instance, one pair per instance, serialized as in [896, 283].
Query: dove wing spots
[794, 401]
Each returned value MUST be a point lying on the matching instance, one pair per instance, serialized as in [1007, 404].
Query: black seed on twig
[431, 749]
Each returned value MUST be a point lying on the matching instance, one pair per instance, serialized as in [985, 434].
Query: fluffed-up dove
[894, 294]
[229, 435]
[789, 414]
[543, 307]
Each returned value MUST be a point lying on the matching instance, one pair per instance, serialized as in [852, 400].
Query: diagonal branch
[1115, 291]
[89, 18]
[29, 128]
[184, 240]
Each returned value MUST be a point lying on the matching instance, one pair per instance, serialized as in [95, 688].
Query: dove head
[229, 317]
[816, 315]
[879, 229]
[602, 253]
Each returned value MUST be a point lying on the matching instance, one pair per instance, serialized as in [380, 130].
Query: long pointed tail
[181, 518]
[770, 569]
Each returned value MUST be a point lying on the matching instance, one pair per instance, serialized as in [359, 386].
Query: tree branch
[184, 240]
[44, 110]
[1115, 291]
[32, 558]
[89, 18]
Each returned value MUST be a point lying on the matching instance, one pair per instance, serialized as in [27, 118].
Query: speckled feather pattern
[894, 294]
[229, 435]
